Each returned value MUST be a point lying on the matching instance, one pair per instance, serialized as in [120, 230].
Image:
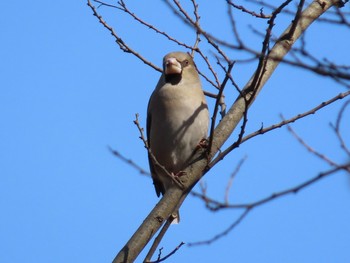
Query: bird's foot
[178, 174]
[177, 178]
[203, 144]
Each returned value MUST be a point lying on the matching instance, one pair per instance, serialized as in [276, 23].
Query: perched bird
[177, 119]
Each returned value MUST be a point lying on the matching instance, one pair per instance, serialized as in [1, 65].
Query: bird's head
[177, 65]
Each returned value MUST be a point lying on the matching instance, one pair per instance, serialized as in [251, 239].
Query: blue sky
[68, 93]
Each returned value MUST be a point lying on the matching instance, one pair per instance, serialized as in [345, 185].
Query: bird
[177, 120]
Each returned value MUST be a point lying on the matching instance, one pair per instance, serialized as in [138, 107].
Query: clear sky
[67, 93]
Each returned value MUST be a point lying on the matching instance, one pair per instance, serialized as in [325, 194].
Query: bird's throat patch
[173, 78]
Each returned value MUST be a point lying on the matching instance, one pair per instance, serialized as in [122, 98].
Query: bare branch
[206, 60]
[126, 9]
[336, 128]
[169, 255]
[216, 108]
[223, 233]
[245, 10]
[157, 242]
[182, 13]
[310, 149]
[269, 59]
[230, 181]
[198, 35]
[122, 45]
[278, 125]
[128, 161]
[215, 205]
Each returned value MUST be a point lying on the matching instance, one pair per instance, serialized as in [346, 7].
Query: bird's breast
[178, 124]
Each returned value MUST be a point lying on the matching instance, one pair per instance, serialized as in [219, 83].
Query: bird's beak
[172, 66]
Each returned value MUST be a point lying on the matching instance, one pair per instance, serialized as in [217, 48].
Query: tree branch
[174, 197]
[276, 126]
[123, 46]
[248, 207]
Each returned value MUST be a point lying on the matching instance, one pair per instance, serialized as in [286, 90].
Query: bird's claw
[178, 174]
[203, 144]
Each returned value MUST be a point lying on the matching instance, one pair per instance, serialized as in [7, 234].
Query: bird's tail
[176, 217]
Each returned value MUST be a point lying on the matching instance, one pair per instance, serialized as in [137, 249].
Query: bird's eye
[185, 63]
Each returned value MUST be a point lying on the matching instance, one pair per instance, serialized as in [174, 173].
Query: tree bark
[174, 196]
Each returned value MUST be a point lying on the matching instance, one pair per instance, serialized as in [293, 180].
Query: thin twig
[215, 205]
[141, 21]
[233, 175]
[223, 233]
[278, 125]
[122, 45]
[245, 10]
[157, 241]
[154, 159]
[170, 254]
[182, 13]
[234, 27]
[297, 17]
[336, 128]
[310, 149]
[198, 35]
[211, 69]
[128, 161]
[216, 108]
[250, 206]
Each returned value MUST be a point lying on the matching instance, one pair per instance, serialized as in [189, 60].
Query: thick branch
[174, 196]
[277, 53]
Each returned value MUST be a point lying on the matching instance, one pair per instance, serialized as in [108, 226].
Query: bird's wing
[157, 183]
